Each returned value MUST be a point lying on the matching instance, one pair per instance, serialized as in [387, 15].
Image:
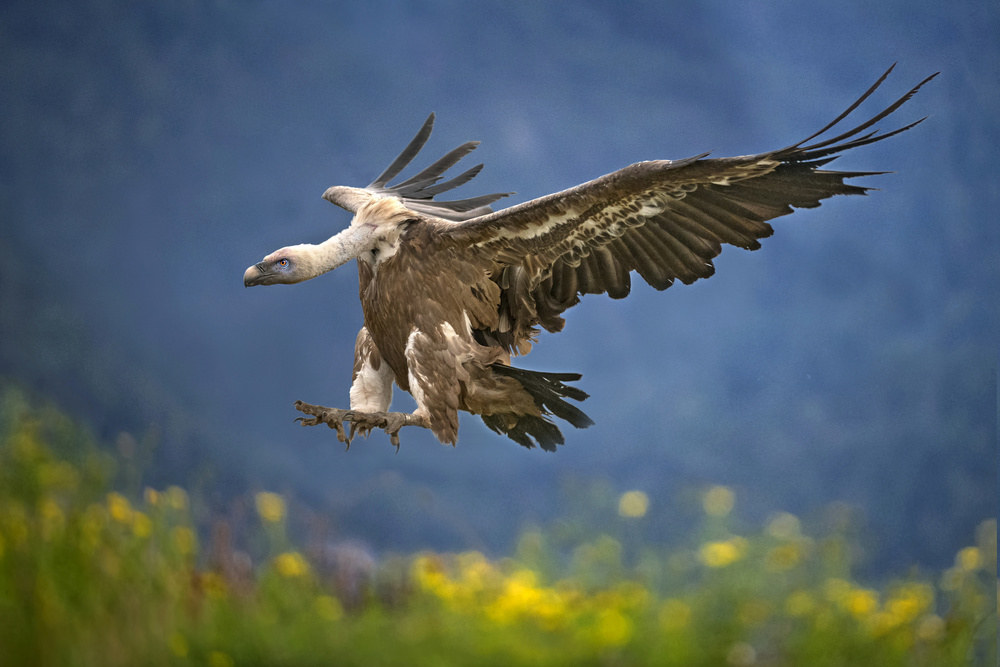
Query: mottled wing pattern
[665, 220]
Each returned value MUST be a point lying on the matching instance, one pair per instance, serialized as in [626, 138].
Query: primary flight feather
[451, 290]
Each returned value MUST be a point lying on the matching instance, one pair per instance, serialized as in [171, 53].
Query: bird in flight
[451, 290]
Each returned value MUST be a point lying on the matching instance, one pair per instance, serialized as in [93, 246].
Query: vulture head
[377, 224]
[286, 266]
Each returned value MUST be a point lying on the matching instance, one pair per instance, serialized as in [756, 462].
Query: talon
[361, 422]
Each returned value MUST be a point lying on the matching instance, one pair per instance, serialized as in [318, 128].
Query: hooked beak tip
[252, 276]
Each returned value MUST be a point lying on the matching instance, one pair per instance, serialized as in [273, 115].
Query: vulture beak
[254, 275]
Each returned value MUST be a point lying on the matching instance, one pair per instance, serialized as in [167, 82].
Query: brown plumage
[451, 290]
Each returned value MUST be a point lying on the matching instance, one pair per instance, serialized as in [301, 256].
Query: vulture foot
[361, 422]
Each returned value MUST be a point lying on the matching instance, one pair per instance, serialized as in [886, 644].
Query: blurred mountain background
[150, 152]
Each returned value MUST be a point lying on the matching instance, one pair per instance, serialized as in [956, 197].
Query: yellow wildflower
[968, 559]
[476, 571]
[722, 553]
[554, 606]
[521, 591]
[291, 564]
[270, 506]
[152, 496]
[119, 508]
[522, 597]
[427, 572]
[718, 501]
[861, 602]
[675, 615]
[633, 504]
[909, 602]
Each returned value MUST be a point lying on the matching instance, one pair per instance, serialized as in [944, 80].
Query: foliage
[91, 576]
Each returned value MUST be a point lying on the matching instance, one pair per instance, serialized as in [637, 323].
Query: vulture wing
[665, 220]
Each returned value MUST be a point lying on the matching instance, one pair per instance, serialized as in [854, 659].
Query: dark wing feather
[432, 174]
[404, 158]
[665, 220]
[418, 191]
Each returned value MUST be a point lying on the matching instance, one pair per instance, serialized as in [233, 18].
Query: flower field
[92, 573]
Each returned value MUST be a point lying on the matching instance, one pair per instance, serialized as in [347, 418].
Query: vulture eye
[282, 262]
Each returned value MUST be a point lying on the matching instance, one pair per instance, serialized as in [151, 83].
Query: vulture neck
[336, 250]
[378, 219]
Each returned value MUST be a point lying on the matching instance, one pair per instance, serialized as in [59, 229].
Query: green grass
[89, 576]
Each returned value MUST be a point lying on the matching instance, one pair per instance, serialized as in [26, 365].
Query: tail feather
[548, 390]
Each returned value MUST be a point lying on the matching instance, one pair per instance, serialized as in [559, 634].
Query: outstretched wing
[664, 219]
[418, 191]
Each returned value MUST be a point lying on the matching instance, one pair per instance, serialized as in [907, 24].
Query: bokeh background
[150, 152]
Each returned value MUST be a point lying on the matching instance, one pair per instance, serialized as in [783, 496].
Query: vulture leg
[361, 422]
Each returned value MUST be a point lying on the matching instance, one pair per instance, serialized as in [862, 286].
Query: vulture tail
[549, 393]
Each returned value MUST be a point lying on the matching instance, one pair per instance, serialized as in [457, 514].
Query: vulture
[451, 290]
